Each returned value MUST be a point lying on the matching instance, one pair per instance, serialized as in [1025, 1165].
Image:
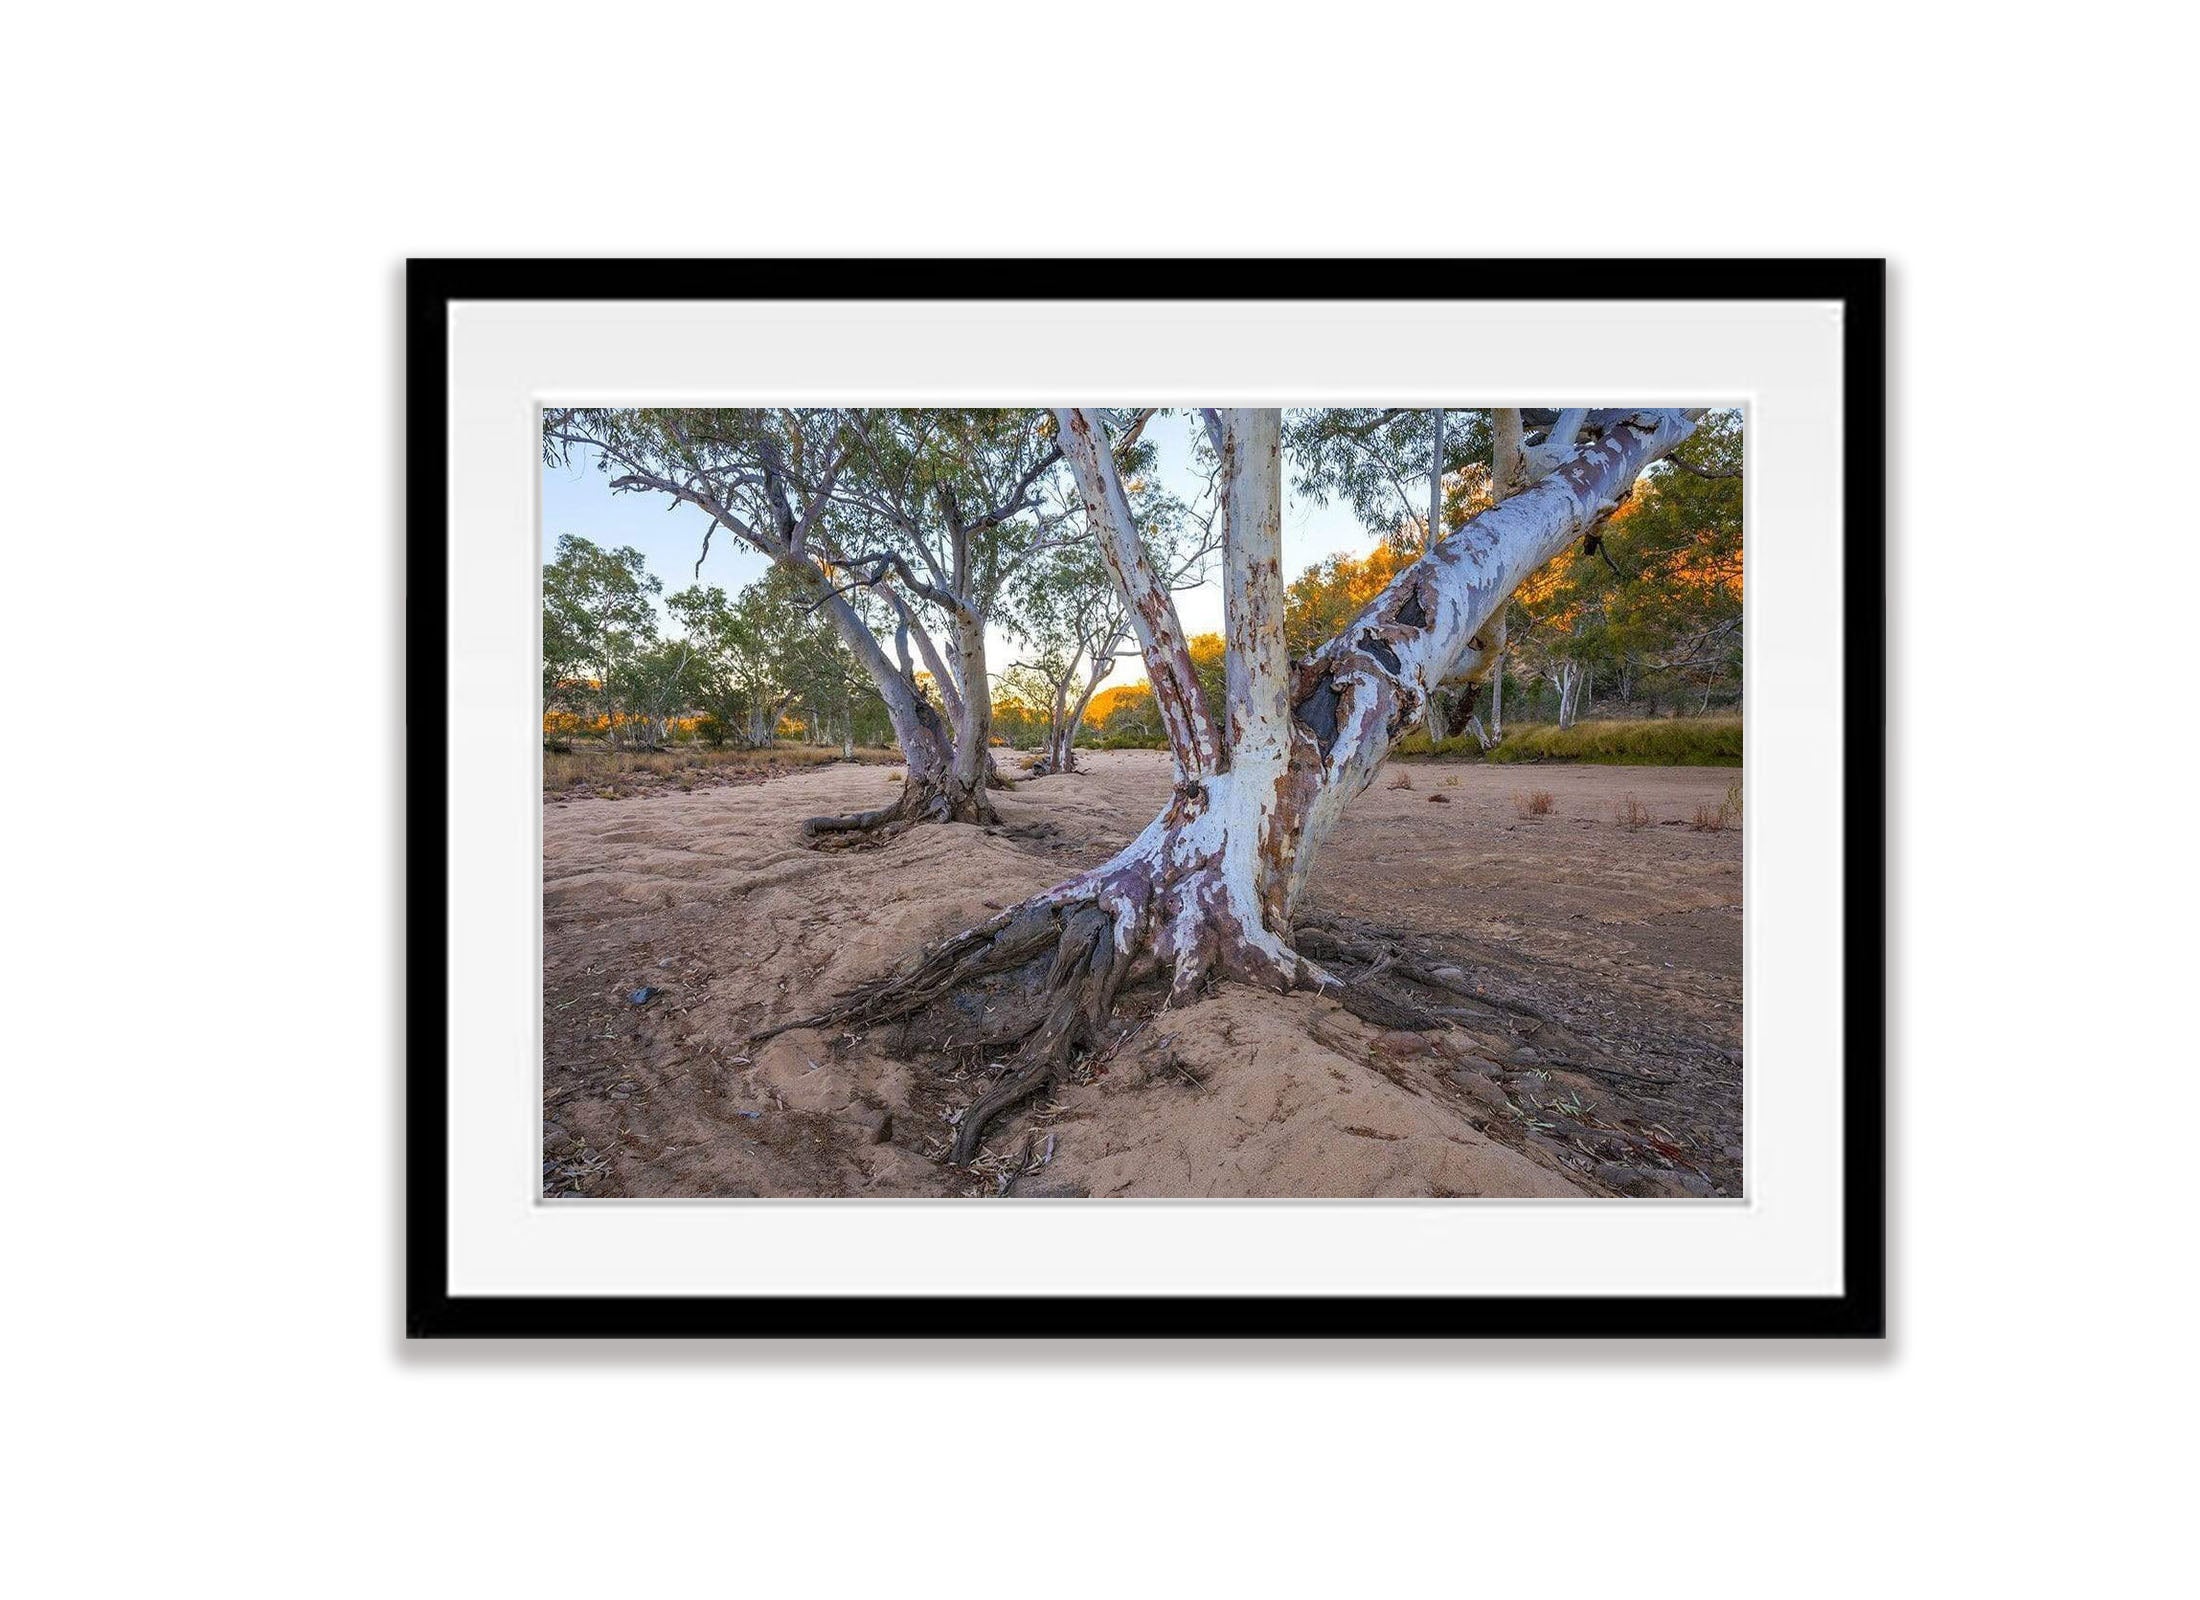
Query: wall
[203, 413]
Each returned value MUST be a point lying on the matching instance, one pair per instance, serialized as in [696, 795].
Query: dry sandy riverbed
[1607, 1060]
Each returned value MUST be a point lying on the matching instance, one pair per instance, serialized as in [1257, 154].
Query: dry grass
[614, 774]
[1726, 814]
[1535, 803]
[1403, 780]
[1632, 813]
[1649, 742]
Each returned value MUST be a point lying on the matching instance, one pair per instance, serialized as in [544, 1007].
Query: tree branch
[1695, 471]
[1161, 640]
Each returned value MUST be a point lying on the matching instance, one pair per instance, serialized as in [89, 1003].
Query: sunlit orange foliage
[1326, 596]
[1108, 701]
[572, 725]
[1007, 703]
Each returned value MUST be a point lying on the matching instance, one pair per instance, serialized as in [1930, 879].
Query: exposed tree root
[920, 800]
[1370, 1004]
[1071, 1000]
[1348, 945]
[1050, 967]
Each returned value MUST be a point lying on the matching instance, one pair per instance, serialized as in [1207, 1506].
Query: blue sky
[669, 534]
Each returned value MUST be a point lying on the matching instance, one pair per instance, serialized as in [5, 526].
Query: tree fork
[1207, 889]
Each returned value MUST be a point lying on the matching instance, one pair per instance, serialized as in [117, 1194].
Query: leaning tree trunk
[1207, 889]
[929, 792]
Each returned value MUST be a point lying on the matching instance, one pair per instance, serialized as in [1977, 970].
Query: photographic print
[1183, 802]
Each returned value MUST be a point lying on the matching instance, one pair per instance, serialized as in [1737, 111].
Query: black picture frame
[1859, 1311]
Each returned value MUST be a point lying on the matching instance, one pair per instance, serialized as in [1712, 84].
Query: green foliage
[650, 686]
[1023, 697]
[597, 610]
[599, 627]
[1320, 601]
[1656, 617]
[1062, 603]
[1210, 665]
[957, 492]
[762, 652]
[1375, 459]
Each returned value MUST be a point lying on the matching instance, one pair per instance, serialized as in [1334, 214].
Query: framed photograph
[1145, 798]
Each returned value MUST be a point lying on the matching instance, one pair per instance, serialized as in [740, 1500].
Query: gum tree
[1206, 890]
[751, 652]
[939, 509]
[599, 619]
[926, 512]
[1069, 610]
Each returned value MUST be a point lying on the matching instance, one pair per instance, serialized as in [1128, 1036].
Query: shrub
[1661, 742]
[1632, 813]
[1535, 803]
[1726, 814]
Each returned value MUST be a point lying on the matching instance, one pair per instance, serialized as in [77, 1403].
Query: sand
[1608, 1063]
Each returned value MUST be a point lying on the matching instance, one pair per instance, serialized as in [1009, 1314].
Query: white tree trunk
[1208, 886]
[1497, 685]
[1210, 883]
[974, 728]
[1371, 683]
[1566, 679]
[1184, 714]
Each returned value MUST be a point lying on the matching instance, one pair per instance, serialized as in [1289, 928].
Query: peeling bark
[1207, 890]
[1371, 696]
[1184, 714]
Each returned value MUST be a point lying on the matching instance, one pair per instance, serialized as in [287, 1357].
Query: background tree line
[1647, 624]
[898, 537]
[740, 670]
